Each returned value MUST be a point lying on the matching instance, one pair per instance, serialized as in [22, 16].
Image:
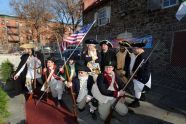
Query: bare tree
[35, 13]
[68, 12]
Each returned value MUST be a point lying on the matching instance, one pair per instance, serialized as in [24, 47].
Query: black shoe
[134, 104]
[143, 97]
[94, 116]
[57, 103]
[81, 110]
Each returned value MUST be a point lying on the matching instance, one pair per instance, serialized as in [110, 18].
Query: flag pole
[80, 42]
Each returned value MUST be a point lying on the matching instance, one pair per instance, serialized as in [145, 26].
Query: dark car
[69, 52]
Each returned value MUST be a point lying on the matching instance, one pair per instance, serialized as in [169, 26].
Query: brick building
[14, 32]
[141, 17]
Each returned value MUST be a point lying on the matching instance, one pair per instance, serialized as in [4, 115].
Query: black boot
[57, 102]
[93, 114]
[143, 97]
[81, 110]
[134, 104]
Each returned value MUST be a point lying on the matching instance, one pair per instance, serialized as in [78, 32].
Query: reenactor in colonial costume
[92, 57]
[29, 67]
[110, 86]
[123, 60]
[107, 54]
[142, 79]
[72, 67]
[54, 81]
[82, 86]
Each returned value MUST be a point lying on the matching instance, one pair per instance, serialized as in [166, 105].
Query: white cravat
[83, 88]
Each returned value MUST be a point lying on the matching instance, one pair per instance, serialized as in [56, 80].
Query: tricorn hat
[51, 59]
[124, 43]
[83, 68]
[108, 43]
[91, 41]
[140, 44]
[28, 46]
[110, 63]
[74, 57]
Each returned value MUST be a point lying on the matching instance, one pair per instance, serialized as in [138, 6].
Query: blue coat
[76, 85]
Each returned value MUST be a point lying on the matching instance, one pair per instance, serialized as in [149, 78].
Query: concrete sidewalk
[164, 105]
[16, 107]
[147, 113]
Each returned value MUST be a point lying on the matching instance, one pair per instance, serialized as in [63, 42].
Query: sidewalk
[169, 93]
[16, 107]
[164, 105]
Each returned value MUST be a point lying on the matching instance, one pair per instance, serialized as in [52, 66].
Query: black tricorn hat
[108, 43]
[73, 57]
[141, 44]
[83, 68]
[51, 59]
[125, 43]
[110, 63]
[91, 41]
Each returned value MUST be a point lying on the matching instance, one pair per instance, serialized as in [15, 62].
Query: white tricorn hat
[28, 46]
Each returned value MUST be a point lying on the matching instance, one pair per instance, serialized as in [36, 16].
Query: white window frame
[164, 7]
[107, 11]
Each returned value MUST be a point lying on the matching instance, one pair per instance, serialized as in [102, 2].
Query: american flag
[77, 36]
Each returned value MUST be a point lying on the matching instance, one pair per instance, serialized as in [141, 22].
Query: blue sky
[5, 8]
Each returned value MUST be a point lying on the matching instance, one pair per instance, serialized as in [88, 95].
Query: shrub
[2, 121]
[6, 70]
[3, 104]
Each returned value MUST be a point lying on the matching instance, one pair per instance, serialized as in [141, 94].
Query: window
[103, 16]
[3, 22]
[169, 3]
[17, 23]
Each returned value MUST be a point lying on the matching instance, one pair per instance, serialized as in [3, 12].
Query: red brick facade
[14, 32]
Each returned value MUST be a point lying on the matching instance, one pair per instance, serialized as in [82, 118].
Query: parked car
[68, 52]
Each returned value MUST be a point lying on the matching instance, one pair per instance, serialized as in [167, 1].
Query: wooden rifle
[35, 71]
[45, 85]
[69, 80]
[71, 93]
[108, 119]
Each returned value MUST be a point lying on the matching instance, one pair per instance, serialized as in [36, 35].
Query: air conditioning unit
[103, 21]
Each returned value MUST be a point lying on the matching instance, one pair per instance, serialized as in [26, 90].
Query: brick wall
[161, 24]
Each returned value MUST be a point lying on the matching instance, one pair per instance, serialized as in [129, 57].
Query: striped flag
[77, 36]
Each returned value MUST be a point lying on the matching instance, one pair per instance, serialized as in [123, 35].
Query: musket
[72, 94]
[71, 89]
[46, 86]
[45, 75]
[35, 71]
[108, 119]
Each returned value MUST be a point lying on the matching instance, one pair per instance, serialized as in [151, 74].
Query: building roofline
[94, 5]
[8, 16]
